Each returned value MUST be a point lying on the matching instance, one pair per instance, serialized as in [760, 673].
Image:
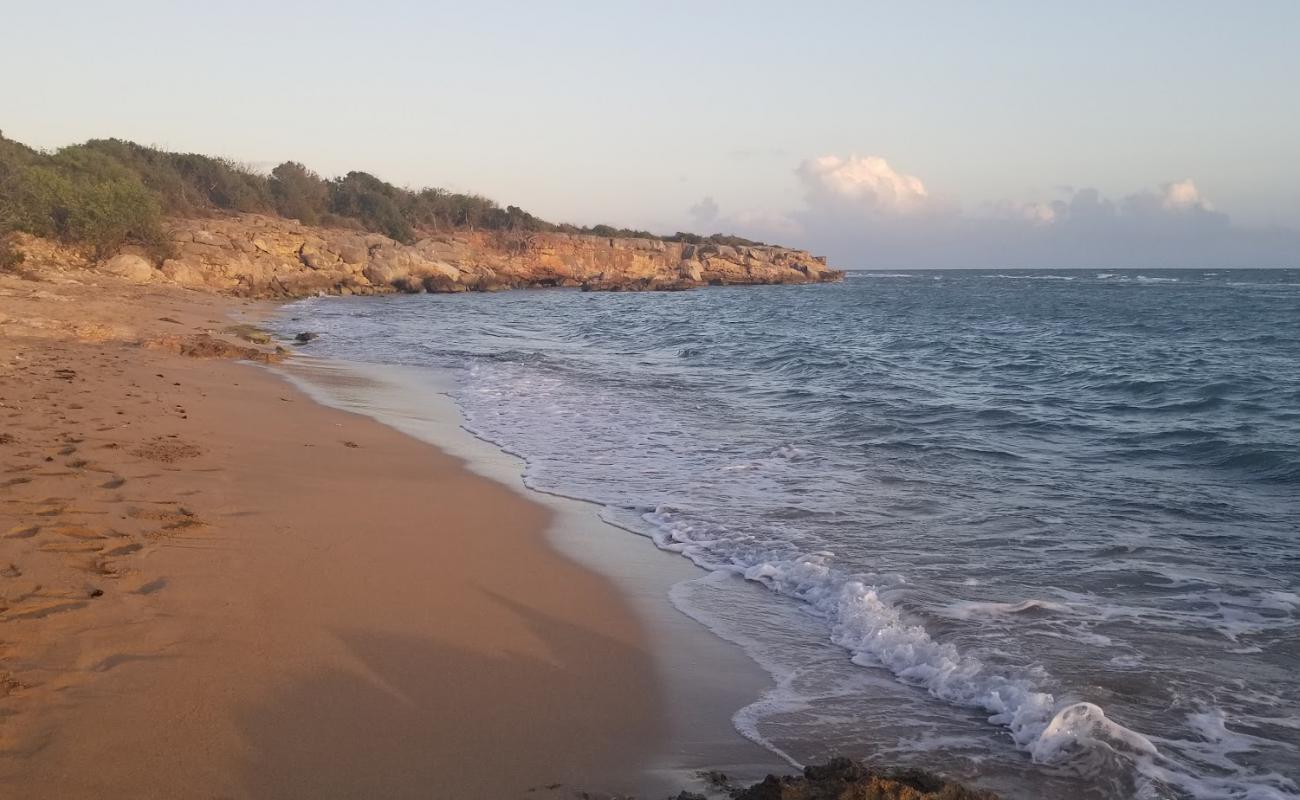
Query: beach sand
[211, 586]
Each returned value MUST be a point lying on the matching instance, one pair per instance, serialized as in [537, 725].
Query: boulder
[130, 267]
[184, 273]
[318, 258]
[691, 270]
[403, 267]
[210, 239]
[353, 253]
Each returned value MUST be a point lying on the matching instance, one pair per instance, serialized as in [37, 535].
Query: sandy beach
[214, 587]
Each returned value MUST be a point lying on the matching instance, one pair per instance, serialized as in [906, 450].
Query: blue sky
[635, 113]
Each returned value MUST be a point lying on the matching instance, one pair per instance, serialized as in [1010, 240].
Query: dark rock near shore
[845, 779]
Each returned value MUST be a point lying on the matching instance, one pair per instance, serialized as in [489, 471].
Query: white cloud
[861, 212]
[1183, 195]
[1038, 213]
[865, 181]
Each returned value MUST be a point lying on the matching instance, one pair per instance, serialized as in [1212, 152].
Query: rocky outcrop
[131, 267]
[258, 256]
[844, 779]
[204, 345]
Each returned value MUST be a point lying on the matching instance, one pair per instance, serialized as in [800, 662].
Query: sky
[905, 135]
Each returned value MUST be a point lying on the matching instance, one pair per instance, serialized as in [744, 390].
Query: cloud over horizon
[862, 212]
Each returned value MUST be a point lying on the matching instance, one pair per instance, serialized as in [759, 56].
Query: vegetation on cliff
[108, 192]
[78, 194]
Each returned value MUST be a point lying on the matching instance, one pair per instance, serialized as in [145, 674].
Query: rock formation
[259, 256]
[844, 779]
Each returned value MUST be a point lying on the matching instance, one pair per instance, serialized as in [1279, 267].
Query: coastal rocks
[650, 284]
[205, 238]
[33, 257]
[844, 779]
[253, 255]
[183, 273]
[202, 345]
[129, 266]
[316, 257]
[393, 264]
[691, 270]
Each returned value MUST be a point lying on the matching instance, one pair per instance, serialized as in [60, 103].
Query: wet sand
[704, 679]
[211, 586]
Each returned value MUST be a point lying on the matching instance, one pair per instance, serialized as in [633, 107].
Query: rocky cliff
[258, 256]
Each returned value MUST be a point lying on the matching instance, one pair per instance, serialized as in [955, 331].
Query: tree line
[106, 193]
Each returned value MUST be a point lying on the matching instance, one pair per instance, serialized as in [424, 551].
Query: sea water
[1036, 528]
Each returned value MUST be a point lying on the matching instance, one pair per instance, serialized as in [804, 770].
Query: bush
[223, 183]
[188, 184]
[108, 192]
[299, 193]
[375, 203]
[81, 196]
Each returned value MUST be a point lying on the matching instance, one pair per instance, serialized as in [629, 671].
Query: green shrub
[374, 202]
[158, 174]
[188, 184]
[80, 196]
[108, 192]
[299, 193]
[223, 183]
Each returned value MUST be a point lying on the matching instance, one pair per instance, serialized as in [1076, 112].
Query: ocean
[1036, 528]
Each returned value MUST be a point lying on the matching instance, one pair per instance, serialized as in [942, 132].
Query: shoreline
[280, 652]
[706, 679]
[212, 583]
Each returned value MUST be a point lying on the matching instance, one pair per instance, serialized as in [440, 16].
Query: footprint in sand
[174, 521]
[76, 531]
[167, 450]
[77, 546]
[101, 567]
[147, 587]
[42, 609]
[23, 531]
[124, 550]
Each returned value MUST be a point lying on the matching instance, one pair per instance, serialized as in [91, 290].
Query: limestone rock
[131, 267]
[843, 779]
[691, 270]
[210, 238]
[315, 256]
[257, 255]
[183, 273]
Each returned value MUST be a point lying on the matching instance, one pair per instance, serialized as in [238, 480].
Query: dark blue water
[1037, 527]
